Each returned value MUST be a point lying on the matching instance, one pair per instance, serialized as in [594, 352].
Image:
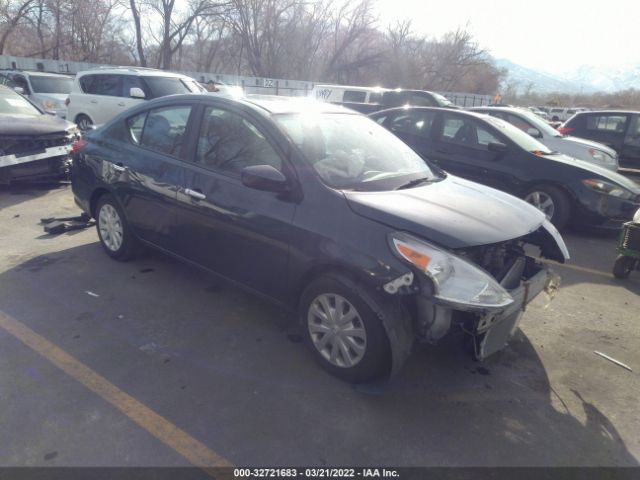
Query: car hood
[55, 97]
[597, 171]
[18, 125]
[453, 212]
[591, 144]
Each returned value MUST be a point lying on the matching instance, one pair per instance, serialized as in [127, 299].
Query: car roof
[600, 112]
[434, 109]
[275, 104]
[143, 72]
[501, 109]
[265, 104]
[35, 72]
[6, 90]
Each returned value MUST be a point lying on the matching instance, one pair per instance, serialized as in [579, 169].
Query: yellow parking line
[193, 450]
[583, 269]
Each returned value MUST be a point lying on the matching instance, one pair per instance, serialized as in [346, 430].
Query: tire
[113, 231]
[623, 266]
[84, 123]
[360, 357]
[560, 211]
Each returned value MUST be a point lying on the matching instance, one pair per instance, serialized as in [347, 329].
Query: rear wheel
[345, 335]
[551, 201]
[84, 123]
[623, 266]
[114, 232]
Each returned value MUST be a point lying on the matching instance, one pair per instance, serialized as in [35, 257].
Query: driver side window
[228, 143]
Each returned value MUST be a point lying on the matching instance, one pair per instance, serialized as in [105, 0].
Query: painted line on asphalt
[171, 435]
[578, 268]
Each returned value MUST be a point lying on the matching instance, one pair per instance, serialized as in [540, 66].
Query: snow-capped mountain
[584, 79]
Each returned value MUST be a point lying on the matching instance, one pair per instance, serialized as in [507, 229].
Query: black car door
[461, 146]
[239, 232]
[145, 170]
[631, 147]
[413, 127]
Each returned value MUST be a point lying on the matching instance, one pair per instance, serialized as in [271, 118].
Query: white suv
[99, 95]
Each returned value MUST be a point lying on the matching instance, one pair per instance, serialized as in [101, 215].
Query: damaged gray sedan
[34, 146]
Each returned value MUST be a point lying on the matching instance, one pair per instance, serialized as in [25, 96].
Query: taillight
[67, 101]
[565, 130]
[78, 145]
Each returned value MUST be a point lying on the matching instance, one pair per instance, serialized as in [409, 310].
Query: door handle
[196, 195]
[94, 101]
[119, 167]
[121, 104]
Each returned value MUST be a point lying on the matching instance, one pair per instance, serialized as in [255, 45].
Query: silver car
[575, 147]
[47, 90]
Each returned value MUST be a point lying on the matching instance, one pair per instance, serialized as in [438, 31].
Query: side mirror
[136, 92]
[264, 177]
[534, 132]
[497, 147]
[19, 90]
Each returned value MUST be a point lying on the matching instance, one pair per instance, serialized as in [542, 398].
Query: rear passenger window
[228, 143]
[86, 83]
[608, 123]
[354, 96]
[163, 129]
[109, 85]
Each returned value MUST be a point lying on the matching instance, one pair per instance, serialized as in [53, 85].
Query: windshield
[13, 104]
[163, 86]
[46, 84]
[517, 136]
[354, 152]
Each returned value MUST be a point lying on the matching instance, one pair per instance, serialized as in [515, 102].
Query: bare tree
[11, 14]
[138, 29]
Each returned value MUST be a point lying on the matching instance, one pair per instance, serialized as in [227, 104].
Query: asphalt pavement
[153, 363]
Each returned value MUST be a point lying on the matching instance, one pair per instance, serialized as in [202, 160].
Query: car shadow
[158, 328]
[15, 194]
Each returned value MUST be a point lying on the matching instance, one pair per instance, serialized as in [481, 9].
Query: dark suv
[618, 129]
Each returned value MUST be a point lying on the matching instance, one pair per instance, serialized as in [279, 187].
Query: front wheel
[623, 266]
[551, 201]
[345, 335]
[84, 123]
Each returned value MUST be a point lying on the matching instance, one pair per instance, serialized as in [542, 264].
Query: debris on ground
[613, 360]
[54, 226]
[91, 293]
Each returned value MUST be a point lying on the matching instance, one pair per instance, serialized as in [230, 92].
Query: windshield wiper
[413, 183]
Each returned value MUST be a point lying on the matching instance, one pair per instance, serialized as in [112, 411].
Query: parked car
[619, 129]
[47, 90]
[575, 147]
[563, 114]
[373, 99]
[320, 210]
[541, 113]
[491, 151]
[33, 145]
[99, 95]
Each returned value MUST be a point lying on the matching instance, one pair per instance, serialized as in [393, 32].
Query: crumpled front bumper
[494, 330]
[12, 160]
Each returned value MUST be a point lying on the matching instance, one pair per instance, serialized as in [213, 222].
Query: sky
[555, 36]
